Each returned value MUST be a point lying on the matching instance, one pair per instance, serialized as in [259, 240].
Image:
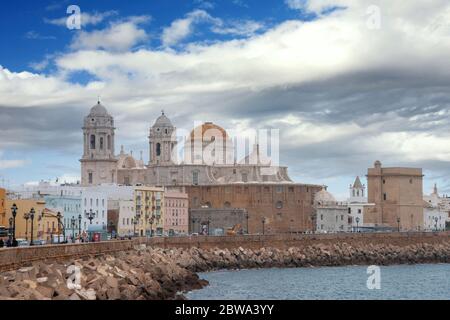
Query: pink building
[176, 217]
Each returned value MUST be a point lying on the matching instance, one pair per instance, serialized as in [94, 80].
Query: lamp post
[59, 216]
[111, 228]
[436, 225]
[90, 216]
[246, 217]
[398, 224]
[32, 212]
[73, 221]
[193, 225]
[151, 221]
[357, 224]
[79, 225]
[209, 223]
[135, 222]
[11, 232]
[26, 216]
[263, 224]
[14, 213]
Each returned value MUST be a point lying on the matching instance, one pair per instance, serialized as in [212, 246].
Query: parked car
[22, 243]
[39, 242]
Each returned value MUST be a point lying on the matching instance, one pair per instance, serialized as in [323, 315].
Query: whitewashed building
[357, 206]
[125, 217]
[436, 211]
[331, 215]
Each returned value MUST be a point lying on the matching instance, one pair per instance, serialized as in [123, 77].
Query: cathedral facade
[207, 168]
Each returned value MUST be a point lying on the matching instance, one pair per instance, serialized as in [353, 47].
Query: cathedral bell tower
[162, 142]
[357, 191]
[98, 164]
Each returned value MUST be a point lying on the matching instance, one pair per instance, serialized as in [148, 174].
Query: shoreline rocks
[160, 274]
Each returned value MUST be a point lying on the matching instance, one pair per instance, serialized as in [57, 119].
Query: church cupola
[162, 142]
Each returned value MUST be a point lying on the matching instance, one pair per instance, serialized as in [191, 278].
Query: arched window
[195, 178]
[109, 142]
[93, 142]
[158, 149]
[227, 205]
[101, 143]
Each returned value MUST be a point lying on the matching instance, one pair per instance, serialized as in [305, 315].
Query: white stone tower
[357, 191]
[98, 164]
[162, 142]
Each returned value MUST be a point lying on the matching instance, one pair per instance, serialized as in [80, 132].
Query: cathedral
[214, 179]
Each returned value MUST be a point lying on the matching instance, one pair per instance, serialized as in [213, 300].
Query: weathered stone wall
[11, 258]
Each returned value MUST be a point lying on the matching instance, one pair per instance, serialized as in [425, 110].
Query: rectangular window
[384, 196]
[90, 178]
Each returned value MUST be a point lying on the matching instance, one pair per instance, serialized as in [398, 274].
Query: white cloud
[33, 35]
[406, 60]
[182, 28]
[87, 19]
[11, 164]
[117, 37]
[239, 28]
[296, 4]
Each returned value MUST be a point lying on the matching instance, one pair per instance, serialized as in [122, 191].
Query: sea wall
[145, 273]
[13, 258]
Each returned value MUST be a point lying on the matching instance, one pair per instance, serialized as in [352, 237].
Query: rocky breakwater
[155, 273]
[339, 254]
[139, 274]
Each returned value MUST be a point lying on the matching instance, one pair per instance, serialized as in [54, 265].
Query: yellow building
[40, 223]
[149, 204]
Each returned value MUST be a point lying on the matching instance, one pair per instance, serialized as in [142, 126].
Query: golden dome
[209, 132]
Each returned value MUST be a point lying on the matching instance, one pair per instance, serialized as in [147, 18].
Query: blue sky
[24, 19]
[346, 82]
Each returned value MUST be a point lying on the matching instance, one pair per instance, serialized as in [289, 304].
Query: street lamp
[79, 225]
[111, 227]
[209, 223]
[14, 213]
[398, 224]
[90, 216]
[135, 222]
[357, 224]
[436, 225]
[32, 212]
[247, 216]
[263, 224]
[73, 221]
[152, 220]
[59, 216]
[26, 216]
[11, 221]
